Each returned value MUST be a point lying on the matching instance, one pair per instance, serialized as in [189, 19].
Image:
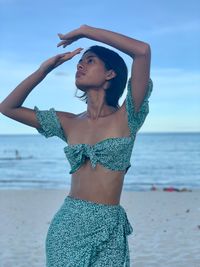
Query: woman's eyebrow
[90, 56]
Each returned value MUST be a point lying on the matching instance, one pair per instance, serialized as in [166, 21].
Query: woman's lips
[79, 74]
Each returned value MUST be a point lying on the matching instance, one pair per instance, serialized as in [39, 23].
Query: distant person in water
[17, 156]
[91, 227]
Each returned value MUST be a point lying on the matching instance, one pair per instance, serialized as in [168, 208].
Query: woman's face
[91, 72]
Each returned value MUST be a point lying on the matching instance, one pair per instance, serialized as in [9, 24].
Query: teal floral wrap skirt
[84, 233]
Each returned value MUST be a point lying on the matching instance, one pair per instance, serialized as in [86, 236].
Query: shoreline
[166, 226]
[153, 187]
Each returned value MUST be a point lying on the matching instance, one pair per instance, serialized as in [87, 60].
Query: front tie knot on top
[79, 152]
[108, 152]
[88, 151]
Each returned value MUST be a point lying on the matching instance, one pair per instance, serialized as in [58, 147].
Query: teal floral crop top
[113, 153]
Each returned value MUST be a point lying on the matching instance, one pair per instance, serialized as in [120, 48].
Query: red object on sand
[169, 189]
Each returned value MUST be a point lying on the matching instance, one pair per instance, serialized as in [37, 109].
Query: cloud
[190, 26]
[61, 73]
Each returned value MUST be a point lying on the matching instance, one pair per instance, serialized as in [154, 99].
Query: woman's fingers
[72, 54]
[61, 36]
[77, 51]
[68, 55]
[61, 43]
[57, 60]
[64, 40]
[68, 38]
[65, 36]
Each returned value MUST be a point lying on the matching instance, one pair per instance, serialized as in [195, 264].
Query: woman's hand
[57, 60]
[72, 36]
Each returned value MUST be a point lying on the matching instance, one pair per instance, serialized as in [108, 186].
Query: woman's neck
[97, 106]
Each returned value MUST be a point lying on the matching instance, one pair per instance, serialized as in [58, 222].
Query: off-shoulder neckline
[99, 142]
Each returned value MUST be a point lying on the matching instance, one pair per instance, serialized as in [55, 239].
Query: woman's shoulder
[66, 118]
[65, 114]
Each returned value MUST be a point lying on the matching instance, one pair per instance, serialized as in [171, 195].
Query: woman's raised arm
[11, 106]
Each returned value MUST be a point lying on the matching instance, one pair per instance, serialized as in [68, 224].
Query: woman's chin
[81, 86]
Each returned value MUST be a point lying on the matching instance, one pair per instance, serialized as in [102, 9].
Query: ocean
[159, 159]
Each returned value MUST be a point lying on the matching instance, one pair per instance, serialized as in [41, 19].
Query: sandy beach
[166, 227]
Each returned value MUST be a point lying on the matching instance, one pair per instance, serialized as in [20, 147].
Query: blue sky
[172, 28]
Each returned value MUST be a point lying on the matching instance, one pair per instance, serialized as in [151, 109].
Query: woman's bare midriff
[97, 185]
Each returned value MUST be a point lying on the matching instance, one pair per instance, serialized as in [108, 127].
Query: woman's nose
[80, 66]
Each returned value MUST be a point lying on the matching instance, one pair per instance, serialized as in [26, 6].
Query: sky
[172, 28]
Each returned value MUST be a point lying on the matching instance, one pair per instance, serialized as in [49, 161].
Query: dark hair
[115, 62]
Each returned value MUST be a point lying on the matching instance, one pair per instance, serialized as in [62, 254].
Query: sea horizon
[171, 159]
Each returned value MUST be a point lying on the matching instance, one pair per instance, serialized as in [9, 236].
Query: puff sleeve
[136, 119]
[49, 123]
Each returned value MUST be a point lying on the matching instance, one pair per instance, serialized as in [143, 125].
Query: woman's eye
[90, 60]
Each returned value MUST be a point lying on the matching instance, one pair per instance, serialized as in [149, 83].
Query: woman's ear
[110, 74]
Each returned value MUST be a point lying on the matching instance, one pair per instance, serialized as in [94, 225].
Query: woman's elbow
[147, 50]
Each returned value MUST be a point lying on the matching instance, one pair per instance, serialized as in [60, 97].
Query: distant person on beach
[91, 228]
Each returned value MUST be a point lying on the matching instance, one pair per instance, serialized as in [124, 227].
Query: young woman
[91, 227]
